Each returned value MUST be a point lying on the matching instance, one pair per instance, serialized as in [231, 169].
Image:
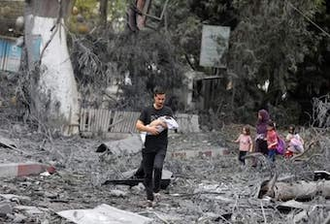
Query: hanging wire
[307, 18]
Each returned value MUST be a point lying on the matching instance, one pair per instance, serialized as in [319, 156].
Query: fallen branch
[6, 143]
[294, 158]
[327, 220]
[267, 187]
[263, 212]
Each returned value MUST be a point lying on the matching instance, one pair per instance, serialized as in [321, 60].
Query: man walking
[155, 144]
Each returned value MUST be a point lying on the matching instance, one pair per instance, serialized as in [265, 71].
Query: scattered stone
[24, 169]
[5, 208]
[31, 210]
[16, 198]
[138, 188]
[19, 218]
[51, 195]
[118, 193]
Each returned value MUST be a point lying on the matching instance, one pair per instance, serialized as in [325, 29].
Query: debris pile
[203, 189]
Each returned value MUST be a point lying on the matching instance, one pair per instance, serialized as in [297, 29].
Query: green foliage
[269, 43]
[87, 7]
[148, 56]
[116, 9]
[320, 4]
[89, 15]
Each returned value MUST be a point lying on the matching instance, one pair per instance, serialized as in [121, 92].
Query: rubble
[24, 169]
[5, 208]
[104, 214]
[127, 146]
[203, 189]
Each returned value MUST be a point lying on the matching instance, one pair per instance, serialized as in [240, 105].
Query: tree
[269, 42]
[53, 90]
[267, 45]
[137, 14]
[103, 13]
[147, 57]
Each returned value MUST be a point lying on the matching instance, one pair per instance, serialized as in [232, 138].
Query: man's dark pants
[153, 165]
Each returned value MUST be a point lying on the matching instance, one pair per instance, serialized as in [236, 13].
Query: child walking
[272, 141]
[245, 144]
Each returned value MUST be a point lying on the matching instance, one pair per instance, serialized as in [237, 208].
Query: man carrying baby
[156, 142]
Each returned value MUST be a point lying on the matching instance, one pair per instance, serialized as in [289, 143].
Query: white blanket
[170, 123]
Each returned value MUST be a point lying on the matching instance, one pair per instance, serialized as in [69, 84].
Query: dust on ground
[204, 189]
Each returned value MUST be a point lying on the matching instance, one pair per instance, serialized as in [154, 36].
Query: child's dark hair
[247, 130]
[292, 129]
[271, 124]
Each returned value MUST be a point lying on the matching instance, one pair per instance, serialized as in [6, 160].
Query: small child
[272, 141]
[295, 142]
[245, 144]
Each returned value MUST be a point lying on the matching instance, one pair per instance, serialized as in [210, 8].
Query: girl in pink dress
[245, 144]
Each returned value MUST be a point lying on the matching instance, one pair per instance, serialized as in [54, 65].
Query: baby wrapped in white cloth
[169, 122]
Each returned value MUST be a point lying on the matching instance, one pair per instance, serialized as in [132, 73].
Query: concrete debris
[24, 169]
[200, 153]
[7, 143]
[19, 218]
[208, 188]
[118, 193]
[203, 189]
[104, 214]
[5, 208]
[30, 210]
[15, 198]
[300, 217]
[127, 146]
[292, 204]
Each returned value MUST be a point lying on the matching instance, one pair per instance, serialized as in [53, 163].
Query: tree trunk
[136, 14]
[302, 190]
[53, 87]
[103, 13]
[299, 191]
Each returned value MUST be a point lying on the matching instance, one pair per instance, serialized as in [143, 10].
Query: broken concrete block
[118, 193]
[19, 218]
[292, 204]
[16, 198]
[104, 214]
[24, 169]
[30, 210]
[127, 146]
[201, 153]
[188, 123]
[5, 208]
[138, 188]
